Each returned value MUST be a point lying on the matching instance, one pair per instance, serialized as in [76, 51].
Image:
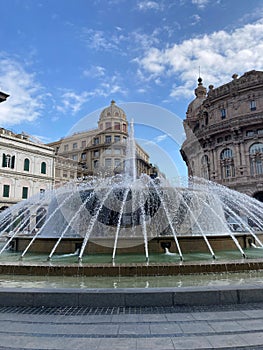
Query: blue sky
[61, 60]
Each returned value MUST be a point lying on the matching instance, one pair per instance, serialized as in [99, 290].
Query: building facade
[27, 168]
[224, 134]
[102, 151]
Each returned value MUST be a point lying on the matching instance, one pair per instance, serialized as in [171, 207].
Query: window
[259, 166]
[108, 162]
[117, 151]
[8, 161]
[24, 192]
[26, 164]
[253, 106]
[83, 144]
[117, 138]
[227, 171]
[256, 159]
[260, 131]
[227, 163]
[65, 148]
[108, 125]
[40, 217]
[108, 151]
[75, 145]
[96, 164]
[227, 137]
[65, 174]
[226, 154]
[96, 141]
[74, 157]
[96, 153]
[205, 168]
[223, 113]
[43, 168]
[117, 163]
[6, 189]
[124, 127]
[250, 133]
[83, 156]
[256, 148]
[108, 139]
[117, 126]
[42, 193]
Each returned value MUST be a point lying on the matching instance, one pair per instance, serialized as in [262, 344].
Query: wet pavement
[232, 326]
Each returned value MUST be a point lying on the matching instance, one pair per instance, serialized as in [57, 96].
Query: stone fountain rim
[129, 269]
[131, 297]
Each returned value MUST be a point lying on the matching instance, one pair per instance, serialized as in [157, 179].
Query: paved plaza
[157, 328]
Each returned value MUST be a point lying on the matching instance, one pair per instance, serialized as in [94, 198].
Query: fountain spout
[130, 161]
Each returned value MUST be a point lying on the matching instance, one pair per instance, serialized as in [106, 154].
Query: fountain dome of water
[131, 213]
[123, 212]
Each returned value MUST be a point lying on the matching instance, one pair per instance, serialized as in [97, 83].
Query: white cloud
[148, 5]
[200, 3]
[94, 72]
[117, 41]
[25, 101]
[195, 19]
[160, 138]
[72, 101]
[98, 40]
[219, 55]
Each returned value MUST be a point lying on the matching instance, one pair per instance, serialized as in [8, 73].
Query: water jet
[131, 214]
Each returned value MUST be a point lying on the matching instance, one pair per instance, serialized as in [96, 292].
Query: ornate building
[102, 150]
[224, 134]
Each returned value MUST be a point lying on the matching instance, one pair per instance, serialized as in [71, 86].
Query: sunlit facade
[102, 151]
[224, 134]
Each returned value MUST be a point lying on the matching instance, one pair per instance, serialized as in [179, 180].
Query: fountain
[131, 214]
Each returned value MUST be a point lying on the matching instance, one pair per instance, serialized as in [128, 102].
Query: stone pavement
[229, 326]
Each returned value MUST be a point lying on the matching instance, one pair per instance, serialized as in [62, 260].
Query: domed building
[224, 134]
[100, 151]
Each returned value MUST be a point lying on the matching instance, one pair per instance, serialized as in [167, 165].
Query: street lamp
[3, 96]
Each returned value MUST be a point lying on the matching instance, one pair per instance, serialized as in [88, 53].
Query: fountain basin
[134, 245]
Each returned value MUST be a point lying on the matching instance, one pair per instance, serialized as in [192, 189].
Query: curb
[137, 297]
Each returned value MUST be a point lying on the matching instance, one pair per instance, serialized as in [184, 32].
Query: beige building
[101, 151]
[224, 134]
[29, 168]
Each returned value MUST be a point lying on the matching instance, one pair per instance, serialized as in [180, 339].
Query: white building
[26, 168]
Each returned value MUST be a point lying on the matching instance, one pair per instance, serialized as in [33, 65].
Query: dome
[114, 112]
[200, 93]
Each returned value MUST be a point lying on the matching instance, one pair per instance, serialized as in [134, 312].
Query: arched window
[256, 148]
[26, 164]
[43, 168]
[8, 161]
[227, 163]
[256, 159]
[227, 153]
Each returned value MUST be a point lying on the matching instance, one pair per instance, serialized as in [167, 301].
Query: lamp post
[3, 96]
